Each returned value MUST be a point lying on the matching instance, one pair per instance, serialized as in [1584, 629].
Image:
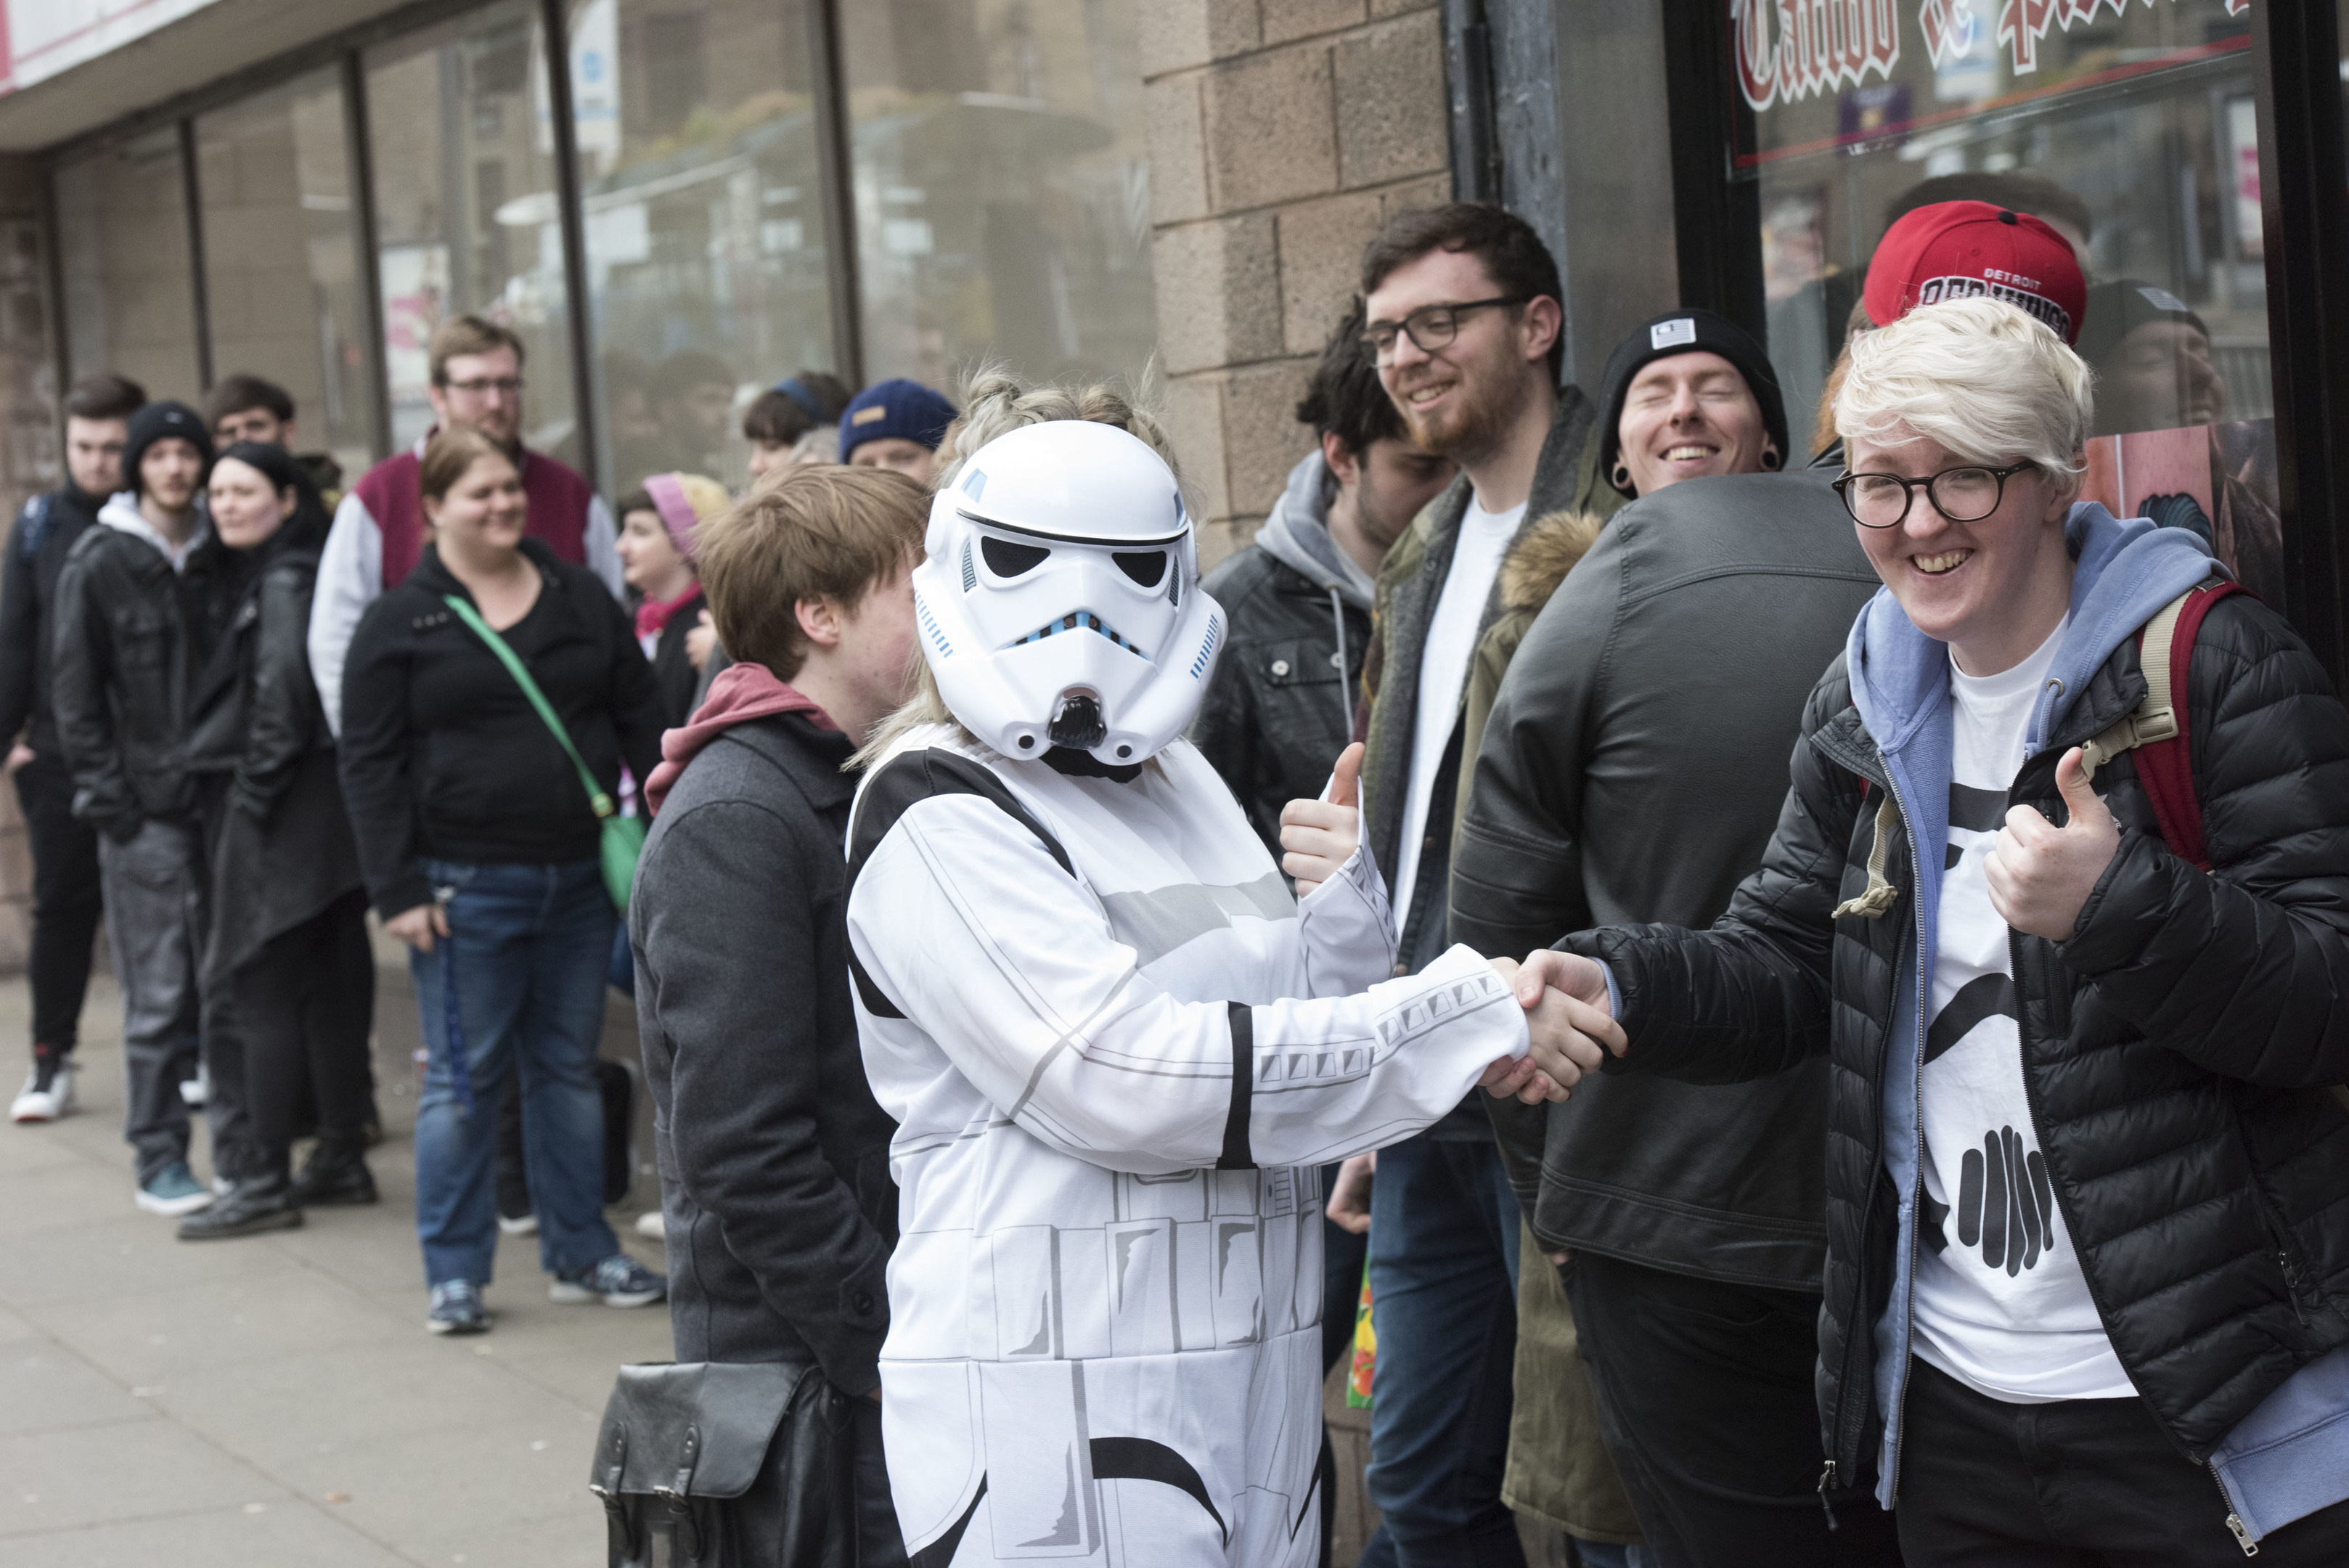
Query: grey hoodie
[1296, 535]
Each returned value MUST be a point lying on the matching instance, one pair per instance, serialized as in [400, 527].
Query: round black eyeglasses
[1964, 494]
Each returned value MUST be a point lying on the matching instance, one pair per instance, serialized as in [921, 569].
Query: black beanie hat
[1687, 331]
[154, 423]
[2117, 309]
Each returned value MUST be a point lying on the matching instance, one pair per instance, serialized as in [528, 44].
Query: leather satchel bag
[714, 1464]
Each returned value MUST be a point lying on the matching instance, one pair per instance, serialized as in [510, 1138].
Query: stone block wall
[30, 462]
[1282, 132]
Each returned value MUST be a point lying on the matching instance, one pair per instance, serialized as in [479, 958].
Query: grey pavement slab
[274, 1399]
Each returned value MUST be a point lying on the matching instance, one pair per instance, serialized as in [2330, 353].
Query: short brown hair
[452, 449]
[236, 393]
[469, 334]
[1520, 264]
[814, 530]
[105, 396]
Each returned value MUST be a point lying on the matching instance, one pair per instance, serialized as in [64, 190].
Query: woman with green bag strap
[490, 702]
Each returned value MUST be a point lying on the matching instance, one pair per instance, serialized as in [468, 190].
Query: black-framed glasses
[1964, 494]
[1430, 327]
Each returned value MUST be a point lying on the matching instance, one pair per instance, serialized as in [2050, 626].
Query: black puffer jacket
[131, 636]
[2175, 1050]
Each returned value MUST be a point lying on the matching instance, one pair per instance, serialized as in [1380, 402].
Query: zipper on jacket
[1827, 1479]
[1853, 1324]
[2235, 1525]
[1924, 994]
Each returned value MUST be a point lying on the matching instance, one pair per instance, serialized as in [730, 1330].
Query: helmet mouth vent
[1080, 620]
[1077, 721]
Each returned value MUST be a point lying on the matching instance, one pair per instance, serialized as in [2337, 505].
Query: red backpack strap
[2165, 767]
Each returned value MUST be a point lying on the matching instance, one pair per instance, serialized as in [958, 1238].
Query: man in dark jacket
[774, 1158]
[1280, 704]
[66, 903]
[2087, 1177]
[1628, 774]
[139, 606]
[1464, 325]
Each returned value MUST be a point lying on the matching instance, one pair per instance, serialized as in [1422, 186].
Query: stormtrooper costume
[1116, 1047]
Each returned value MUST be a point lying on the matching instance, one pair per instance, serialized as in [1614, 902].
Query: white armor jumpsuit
[1118, 1049]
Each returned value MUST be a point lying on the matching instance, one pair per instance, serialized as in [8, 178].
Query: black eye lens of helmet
[1144, 566]
[1005, 559]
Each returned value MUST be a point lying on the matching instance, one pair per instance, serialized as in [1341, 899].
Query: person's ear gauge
[1620, 476]
[1773, 460]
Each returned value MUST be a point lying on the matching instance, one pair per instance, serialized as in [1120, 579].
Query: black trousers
[302, 1007]
[1707, 1406]
[67, 904]
[2080, 1484]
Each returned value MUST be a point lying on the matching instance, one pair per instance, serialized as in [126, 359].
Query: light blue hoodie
[2290, 1456]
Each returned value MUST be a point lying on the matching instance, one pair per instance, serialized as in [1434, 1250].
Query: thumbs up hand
[1319, 836]
[2041, 875]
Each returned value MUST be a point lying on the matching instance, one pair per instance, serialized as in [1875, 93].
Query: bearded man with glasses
[379, 528]
[1462, 319]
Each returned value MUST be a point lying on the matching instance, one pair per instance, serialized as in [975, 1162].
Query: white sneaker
[195, 1090]
[518, 1224]
[39, 1102]
[650, 1224]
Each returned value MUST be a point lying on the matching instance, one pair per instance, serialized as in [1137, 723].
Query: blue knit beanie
[897, 407]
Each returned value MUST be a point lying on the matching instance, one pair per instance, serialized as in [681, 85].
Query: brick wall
[30, 462]
[1282, 132]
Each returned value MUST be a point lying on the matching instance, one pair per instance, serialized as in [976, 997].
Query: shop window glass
[2133, 127]
[129, 296]
[695, 129]
[1002, 187]
[467, 215]
[280, 259]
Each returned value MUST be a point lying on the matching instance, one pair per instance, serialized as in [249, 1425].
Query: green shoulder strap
[464, 611]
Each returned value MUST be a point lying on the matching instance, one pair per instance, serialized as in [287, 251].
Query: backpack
[2155, 728]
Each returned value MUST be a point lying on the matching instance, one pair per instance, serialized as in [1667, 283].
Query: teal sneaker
[457, 1309]
[174, 1190]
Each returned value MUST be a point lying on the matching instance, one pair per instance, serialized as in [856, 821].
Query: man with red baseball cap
[1965, 250]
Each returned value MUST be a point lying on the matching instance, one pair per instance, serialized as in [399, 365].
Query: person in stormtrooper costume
[1117, 1047]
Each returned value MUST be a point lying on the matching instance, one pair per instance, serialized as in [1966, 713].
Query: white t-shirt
[1443, 670]
[2000, 1303]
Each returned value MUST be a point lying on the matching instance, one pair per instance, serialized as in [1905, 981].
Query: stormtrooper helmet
[1059, 598]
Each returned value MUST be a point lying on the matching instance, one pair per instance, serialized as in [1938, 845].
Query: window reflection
[281, 258]
[2135, 134]
[129, 295]
[1002, 186]
[467, 217]
[704, 222]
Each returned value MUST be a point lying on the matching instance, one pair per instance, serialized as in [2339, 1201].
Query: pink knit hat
[684, 499]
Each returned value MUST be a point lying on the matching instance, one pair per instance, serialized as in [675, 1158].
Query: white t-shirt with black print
[2001, 1303]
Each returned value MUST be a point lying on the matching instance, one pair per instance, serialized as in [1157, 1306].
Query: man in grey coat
[776, 1196]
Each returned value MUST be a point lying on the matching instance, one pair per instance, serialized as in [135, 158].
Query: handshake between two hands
[1564, 996]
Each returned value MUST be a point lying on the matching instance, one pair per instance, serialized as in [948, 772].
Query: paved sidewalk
[275, 1400]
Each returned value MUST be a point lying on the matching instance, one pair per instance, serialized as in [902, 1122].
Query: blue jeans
[528, 946]
[1443, 1281]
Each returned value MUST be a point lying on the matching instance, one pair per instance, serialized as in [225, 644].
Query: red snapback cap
[1964, 250]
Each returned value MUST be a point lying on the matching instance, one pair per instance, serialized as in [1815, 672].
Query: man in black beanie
[140, 605]
[1687, 395]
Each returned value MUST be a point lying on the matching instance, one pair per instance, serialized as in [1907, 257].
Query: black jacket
[444, 756]
[2173, 1048]
[43, 533]
[1278, 710]
[774, 1157]
[1630, 771]
[284, 850]
[674, 676]
[131, 637]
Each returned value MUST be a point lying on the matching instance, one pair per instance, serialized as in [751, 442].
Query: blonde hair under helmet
[1977, 376]
[685, 500]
